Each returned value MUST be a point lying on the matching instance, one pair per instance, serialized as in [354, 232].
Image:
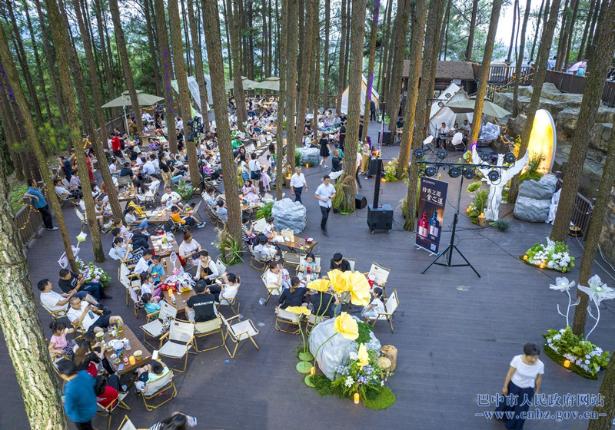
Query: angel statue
[497, 186]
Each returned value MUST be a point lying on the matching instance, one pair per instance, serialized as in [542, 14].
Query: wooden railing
[569, 83]
[29, 222]
[504, 75]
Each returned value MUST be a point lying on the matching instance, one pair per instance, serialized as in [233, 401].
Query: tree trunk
[539, 79]
[526, 15]
[22, 329]
[306, 65]
[23, 62]
[416, 62]
[279, 147]
[606, 413]
[37, 62]
[232, 10]
[62, 43]
[99, 137]
[592, 237]
[198, 64]
[227, 18]
[291, 84]
[401, 28]
[151, 43]
[12, 86]
[341, 67]
[570, 33]
[120, 43]
[592, 27]
[325, 71]
[584, 38]
[384, 52]
[184, 22]
[598, 64]
[512, 34]
[373, 36]
[537, 32]
[484, 70]
[106, 60]
[470, 45]
[167, 73]
[355, 83]
[315, 88]
[421, 96]
[444, 35]
[185, 107]
[216, 69]
[561, 36]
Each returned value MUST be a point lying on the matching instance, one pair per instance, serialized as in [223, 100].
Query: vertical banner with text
[432, 201]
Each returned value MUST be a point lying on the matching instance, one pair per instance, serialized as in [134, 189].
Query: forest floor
[455, 332]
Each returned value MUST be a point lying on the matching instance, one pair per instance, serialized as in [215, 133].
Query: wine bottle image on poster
[432, 201]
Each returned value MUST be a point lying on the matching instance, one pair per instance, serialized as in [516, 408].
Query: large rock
[607, 238]
[289, 214]
[310, 156]
[542, 189]
[532, 210]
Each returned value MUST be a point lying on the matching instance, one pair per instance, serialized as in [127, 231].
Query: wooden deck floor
[455, 332]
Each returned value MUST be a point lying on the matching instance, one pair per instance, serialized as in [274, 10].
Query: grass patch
[383, 399]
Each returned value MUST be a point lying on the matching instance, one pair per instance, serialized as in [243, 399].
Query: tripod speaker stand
[448, 251]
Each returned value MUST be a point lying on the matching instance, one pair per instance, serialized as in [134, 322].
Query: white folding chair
[272, 290]
[289, 319]
[390, 306]
[157, 327]
[180, 339]
[154, 389]
[238, 332]
[457, 141]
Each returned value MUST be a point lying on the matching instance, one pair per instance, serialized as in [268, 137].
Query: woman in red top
[107, 391]
[116, 145]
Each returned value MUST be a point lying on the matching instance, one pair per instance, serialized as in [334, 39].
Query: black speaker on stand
[379, 218]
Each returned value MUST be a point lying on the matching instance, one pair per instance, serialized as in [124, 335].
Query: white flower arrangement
[553, 255]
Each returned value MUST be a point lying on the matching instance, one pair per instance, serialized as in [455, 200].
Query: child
[58, 344]
[311, 270]
[265, 180]
[375, 307]
[150, 303]
[157, 270]
[147, 286]
[147, 373]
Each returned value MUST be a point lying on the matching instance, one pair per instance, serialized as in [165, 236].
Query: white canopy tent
[440, 113]
[375, 97]
[193, 87]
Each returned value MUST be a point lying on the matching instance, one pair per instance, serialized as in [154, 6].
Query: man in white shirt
[89, 317]
[325, 194]
[55, 302]
[170, 197]
[143, 263]
[298, 183]
[148, 168]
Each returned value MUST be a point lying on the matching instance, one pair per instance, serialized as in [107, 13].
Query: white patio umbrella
[123, 101]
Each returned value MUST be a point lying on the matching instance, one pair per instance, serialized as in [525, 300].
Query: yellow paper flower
[299, 310]
[321, 285]
[339, 281]
[346, 326]
[362, 356]
[359, 289]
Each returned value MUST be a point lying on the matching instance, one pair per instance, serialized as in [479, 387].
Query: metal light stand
[448, 251]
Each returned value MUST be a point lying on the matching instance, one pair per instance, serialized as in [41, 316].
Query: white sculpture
[496, 187]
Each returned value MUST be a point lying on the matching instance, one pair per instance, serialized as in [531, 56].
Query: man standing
[298, 183]
[324, 194]
[37, 199]
[79, 396]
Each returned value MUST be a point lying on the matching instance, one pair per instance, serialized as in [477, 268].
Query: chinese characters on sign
[431, 213]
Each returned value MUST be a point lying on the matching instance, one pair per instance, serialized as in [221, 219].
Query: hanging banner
[432, 201]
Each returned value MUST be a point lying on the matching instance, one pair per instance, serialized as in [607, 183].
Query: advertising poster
[431, 213]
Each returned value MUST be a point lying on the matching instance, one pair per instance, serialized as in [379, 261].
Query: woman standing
[324, 151]
[522, 381]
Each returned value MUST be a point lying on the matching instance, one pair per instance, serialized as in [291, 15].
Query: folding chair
[291, 259]
[208, 328]
[289, 319]
[272, 290]
[126, 424]
[380, 275]
[258, 261]
[239, 332]
[457, 141]
[157, 388]
[156, 328]
[233, 303]
[108, 410]
[313, 320]
[220, 266]
[390, 306]
[180, 340]
[352, 264]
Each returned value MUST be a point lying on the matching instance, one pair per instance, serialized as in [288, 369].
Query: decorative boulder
[289, 215]
[532, 210]
[331, 349]
[542, 189]
[534, 199]
[309, 156]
